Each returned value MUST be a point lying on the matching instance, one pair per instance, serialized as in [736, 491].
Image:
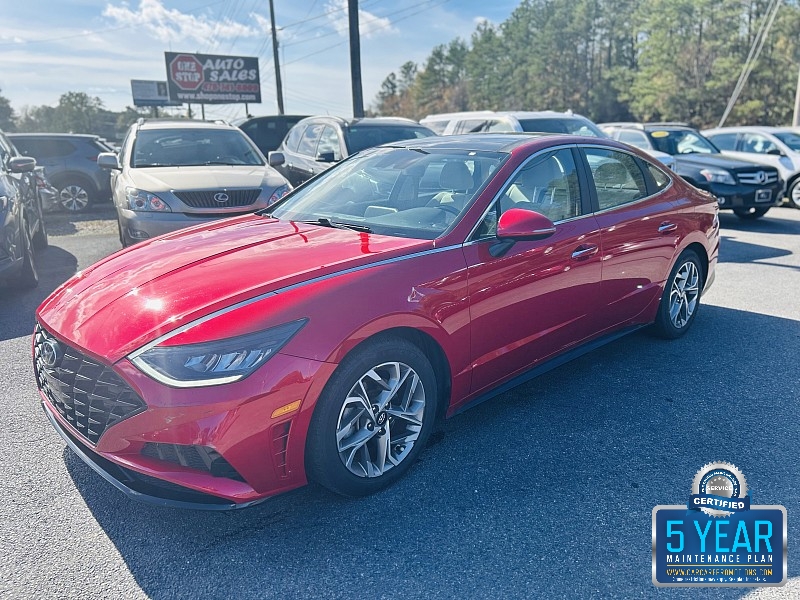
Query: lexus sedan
[321, 338]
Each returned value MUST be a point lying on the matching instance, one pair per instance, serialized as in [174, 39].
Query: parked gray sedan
[170, 174]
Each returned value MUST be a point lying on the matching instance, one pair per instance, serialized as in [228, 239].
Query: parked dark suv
[317, 143]
[70, 162]
[748, 189]
[268, 132]
[21, 222]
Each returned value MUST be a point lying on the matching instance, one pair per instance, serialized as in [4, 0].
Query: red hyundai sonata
[223, 364]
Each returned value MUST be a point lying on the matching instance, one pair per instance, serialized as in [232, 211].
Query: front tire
[373, 418]
[681, 297]
[794, 193]
[750, 214]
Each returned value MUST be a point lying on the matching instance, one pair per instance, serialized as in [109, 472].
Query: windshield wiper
[326, 222]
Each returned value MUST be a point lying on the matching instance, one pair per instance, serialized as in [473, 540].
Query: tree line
[613, 60]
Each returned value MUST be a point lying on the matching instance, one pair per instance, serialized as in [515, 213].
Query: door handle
[667, 227]
[585, 251]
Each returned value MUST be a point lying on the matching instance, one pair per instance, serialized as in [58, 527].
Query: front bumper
[145, 225]
[748, 196]
[252, 447]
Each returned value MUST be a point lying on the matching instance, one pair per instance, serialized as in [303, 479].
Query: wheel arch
[64, 177]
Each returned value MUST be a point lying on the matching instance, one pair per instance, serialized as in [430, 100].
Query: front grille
[758, 177]
[89, 395]
[201, 458]
[206, 199]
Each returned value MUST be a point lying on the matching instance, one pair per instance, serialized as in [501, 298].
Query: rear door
[638, 229]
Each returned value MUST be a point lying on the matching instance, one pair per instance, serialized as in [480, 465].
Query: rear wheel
[751, 213]
[74, 195]
[373, 418]
[681, 297]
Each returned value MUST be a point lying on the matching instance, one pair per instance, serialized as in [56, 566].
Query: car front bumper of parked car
[747, 196]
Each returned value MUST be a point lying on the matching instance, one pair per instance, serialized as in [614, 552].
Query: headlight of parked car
[142, 201]
[217, 362]
[718, 176]
[278, 194]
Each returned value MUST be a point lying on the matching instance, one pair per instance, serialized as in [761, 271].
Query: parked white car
[548, 121]
[775, 146]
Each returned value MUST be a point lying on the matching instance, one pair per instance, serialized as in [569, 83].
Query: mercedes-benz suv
[748, 189]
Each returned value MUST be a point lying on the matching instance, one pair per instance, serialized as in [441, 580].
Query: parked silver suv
[171, 174]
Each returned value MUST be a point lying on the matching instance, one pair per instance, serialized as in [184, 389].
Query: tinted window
[308, 142]
[358, 137]
[573, 126]
[681, 141]
[617, 177]
[790, 139]
[724, 141]
[268, 132]
[329, 143]
[44, 148]
[471, 126]
[437, 126]
[193, 147]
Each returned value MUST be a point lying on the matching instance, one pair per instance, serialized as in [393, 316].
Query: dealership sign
[150, 93]
[212, 79]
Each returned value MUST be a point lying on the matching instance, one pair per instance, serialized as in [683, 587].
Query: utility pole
[355, 59]
[275, 58]
[796, 117]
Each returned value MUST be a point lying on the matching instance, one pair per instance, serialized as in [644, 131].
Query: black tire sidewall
[663, 325]
[323, 464]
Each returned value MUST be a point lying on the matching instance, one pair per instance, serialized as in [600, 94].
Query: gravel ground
[100, 220]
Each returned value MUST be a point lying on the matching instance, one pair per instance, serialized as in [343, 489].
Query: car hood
[700, 161]
[139, 294]
[164, 179]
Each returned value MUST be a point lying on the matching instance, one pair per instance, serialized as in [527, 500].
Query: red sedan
[223, 364]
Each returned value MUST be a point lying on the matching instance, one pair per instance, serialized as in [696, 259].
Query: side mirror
[108, 160]
[520, 224]
[326, 157]
[275, 159]
[22, 164]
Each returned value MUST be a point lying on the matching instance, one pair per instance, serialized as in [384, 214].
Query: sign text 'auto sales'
[212, 79]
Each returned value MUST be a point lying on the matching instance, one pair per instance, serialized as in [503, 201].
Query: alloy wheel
[684, 294]
[381, 419]
[73, 197]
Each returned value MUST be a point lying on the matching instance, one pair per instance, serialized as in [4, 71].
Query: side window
[661, 179]
[634, 138]
[547, 184]
[308, 143]
[471, 126]
[5, 151]
[756, 143]
[329, 143]
[724, 141]
[498, 125]
[617, 177]
[294, 137]
[123, 148]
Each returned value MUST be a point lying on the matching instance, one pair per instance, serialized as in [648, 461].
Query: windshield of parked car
[193, 147]
[681, 141]
[405, 192]
[359, 137]
[789, 138]
[573, 126]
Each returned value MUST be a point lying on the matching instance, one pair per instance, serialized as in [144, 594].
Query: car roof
[183, 124]
[517, 114]
[734, 128]
[494, 142]
[365, 121]
[87, 136]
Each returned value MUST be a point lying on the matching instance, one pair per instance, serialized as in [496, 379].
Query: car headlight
[141, 201]
[718, 176]
[278, 194]
[214, 363]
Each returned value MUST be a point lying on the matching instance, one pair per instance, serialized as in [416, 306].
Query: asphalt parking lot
[545, 492]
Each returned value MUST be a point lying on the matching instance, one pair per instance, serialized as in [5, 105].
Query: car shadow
[18, 307]
[774, 221]
[545, 491]
[734, 251]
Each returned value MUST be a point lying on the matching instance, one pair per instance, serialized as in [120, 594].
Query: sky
[50, 47]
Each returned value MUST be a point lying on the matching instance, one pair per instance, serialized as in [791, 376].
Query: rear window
[565, 125]
[366, 136]
[42, 148]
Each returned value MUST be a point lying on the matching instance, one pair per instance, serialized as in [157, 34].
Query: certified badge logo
[719, 538]
[719, 489]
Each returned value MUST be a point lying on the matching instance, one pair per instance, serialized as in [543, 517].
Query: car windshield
[359, 137]
[789, 138]
[193, 147]
[405, 192]
[681, 141]
[573, 126]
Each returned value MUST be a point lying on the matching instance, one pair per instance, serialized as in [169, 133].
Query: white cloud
[368, 23]
[171, 25]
